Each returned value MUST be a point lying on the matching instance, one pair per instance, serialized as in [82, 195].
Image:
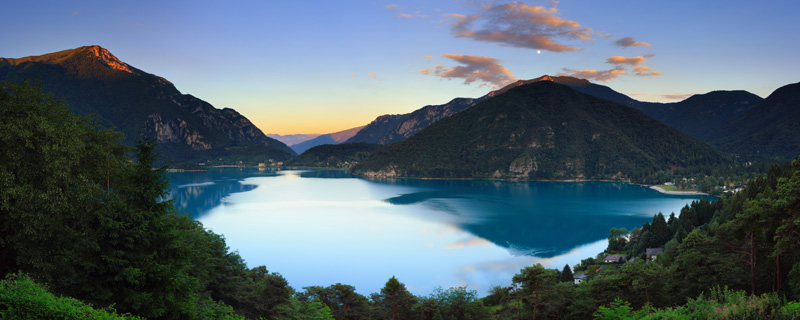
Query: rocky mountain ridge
[94, 81]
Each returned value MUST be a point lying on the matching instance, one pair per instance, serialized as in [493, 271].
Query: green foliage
[343, 300]
[452, 304]
[304, 310]
[617, 239]
[394, 301]
[80, 217]
[566, 275]
[618, 309]
[211, 309]
[21, 298]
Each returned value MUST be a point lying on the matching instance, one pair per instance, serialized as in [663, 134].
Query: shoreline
[654, 187]
[679, 193]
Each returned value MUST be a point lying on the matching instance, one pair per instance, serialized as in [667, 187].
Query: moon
[538, 51]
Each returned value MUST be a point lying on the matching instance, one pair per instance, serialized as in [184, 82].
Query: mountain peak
[96, 53]
[562, 80]
[107, 58]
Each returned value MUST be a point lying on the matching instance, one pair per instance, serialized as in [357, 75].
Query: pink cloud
[474, 68]
[643, 71]
[591, 74]
[520, 25]
[629, 42]
[625, 60]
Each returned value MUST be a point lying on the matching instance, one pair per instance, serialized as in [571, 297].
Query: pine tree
[566, 274]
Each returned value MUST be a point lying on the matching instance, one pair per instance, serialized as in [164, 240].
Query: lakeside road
[659, 189]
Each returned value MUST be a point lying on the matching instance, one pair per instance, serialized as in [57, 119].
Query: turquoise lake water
[319, 227]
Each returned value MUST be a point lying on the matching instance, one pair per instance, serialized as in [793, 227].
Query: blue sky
[325, 66]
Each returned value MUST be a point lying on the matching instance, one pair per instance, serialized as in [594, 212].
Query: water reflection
[428, 233]
[195, 193]
[542, 219]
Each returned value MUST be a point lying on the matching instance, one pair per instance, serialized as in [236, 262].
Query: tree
[617, 239]
[531, 282]
[702, 264]
[79, 216]
[660, 232]
[395, 301]
[343, 300]
[566, 274]
[53, 166]
[298, 309]
[458, 303]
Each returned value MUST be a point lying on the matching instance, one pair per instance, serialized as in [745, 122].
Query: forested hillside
[543, 130]
[334, 155]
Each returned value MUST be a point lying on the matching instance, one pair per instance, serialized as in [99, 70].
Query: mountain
[291, 139]
[330, 138]
[542, 130]
[421, 118]
[93, 81]
[343, 155]
[580, 85]
[701, 114]
[376, 129]
[389, 129]
[770, 129]
[698, 115]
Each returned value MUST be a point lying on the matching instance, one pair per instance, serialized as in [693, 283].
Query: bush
[21, 298]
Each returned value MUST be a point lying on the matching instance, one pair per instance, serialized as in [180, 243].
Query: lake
[321, 227]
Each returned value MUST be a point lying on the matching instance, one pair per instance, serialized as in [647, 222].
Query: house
[613, 258]
[653, 252]
[579, 277]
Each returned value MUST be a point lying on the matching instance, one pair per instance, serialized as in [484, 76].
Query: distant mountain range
[770, 129]
[542, 130]
[330, 138]
[290, 139]
[188, 129]
[340, 156]
[717, 117]
[697, 115]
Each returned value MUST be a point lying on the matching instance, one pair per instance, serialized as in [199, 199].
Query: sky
[326, 66]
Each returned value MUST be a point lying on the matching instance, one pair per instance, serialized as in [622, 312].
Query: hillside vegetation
[543, 130]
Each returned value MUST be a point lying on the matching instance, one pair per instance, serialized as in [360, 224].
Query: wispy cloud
[428, 57]
[592, 74]
[626, 60]
[76, 13]
[474, 68]
[629, 42]
[520, 25]
[643, 71]
[400, 14]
